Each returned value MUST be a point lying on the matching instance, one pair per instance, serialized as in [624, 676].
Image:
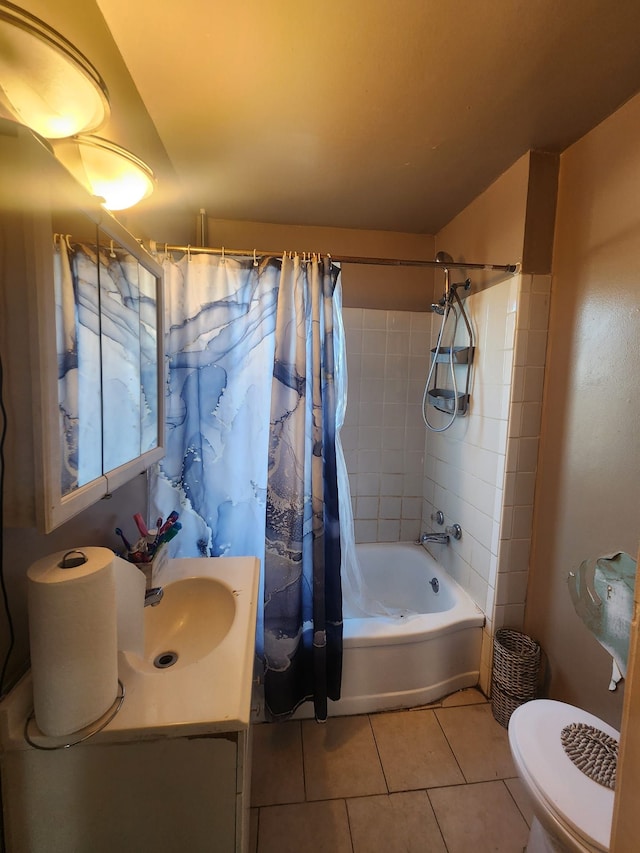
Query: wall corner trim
[542, 195]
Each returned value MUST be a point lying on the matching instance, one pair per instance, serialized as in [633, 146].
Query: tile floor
[432, 780]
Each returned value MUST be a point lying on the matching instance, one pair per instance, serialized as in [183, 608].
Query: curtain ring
[222, 259]
[67, 240]
[189, 253]
[112, 254]
[255, 260]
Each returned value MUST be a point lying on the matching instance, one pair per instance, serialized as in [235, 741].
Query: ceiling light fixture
[45, 82]
[108, 171]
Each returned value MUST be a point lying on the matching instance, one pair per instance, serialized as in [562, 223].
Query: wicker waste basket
[516, 667]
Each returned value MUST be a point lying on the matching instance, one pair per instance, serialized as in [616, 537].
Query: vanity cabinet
[163, 795]
[81, 340]
[171, 770]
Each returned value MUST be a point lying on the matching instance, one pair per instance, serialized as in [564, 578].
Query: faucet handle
[153, 596]
[437, 516]
[454, 530]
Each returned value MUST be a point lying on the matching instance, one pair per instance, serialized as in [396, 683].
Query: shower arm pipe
[159, 248]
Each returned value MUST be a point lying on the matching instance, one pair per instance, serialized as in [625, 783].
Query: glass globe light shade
[45, 82]
[108, 171]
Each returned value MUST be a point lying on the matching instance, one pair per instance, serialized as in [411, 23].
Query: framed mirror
[81, 344]
[108, 310]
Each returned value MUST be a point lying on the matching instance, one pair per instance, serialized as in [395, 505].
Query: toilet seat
[577, 803]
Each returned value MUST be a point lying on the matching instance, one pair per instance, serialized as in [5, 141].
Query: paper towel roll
[73, 635]
[131, 586]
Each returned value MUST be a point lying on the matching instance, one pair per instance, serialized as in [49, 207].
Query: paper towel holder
[111, 713]
[69, 562]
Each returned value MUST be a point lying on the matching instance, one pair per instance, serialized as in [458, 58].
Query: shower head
[444, 258]
[437, 308]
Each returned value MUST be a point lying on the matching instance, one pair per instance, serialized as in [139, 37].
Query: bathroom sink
[207, 617]
[193, 617]
[194, 674]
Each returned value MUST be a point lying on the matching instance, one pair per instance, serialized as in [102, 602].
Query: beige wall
[492, 228]
[588, 487]
[363, 286]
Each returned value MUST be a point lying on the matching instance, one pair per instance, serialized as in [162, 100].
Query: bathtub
[406, 661]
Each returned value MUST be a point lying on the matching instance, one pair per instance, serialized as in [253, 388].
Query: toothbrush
[126, 543]
[169, 534]
[171, 520]
[142, 527]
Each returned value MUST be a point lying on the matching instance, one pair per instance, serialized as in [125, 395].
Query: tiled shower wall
[465, 466]
[481, 472]
[383, 435]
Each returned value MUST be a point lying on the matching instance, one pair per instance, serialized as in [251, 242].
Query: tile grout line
[304, 769]
[435, 815]
[375, 743]
[455, 757]
[346, 808]
[504, 781]
[379, 794]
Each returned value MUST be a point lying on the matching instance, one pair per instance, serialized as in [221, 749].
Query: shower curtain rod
[157, 248]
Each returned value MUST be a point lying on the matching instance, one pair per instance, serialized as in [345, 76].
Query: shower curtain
[251, 463]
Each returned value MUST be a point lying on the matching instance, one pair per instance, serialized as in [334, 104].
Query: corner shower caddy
[450, 400]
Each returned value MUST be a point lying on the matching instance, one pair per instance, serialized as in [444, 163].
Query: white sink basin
[207, 617]
[193, 617]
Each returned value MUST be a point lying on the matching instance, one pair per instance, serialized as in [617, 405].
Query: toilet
[572, 812]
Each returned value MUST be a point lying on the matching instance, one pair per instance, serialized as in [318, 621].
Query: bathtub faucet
[437, 538]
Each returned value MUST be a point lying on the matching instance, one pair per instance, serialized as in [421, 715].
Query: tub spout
[436, 538]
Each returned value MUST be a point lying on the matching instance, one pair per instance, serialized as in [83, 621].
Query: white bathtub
[405, 661]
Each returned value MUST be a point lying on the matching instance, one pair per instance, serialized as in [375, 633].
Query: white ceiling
[368, 113]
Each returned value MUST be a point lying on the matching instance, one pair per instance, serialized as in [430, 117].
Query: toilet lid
[577, 801]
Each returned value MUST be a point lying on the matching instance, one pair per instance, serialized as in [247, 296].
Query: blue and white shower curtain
[251, 450]
[303, 597]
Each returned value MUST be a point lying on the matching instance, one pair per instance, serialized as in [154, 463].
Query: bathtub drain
[165, 659]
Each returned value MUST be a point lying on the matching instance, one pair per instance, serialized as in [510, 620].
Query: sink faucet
[437, 538]
[153, 596]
